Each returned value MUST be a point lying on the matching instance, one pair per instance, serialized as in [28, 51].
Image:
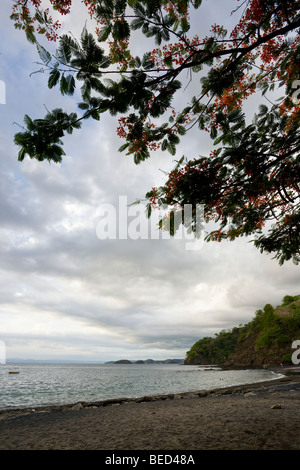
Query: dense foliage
[214, 350]
[270, 334]
[251, 177]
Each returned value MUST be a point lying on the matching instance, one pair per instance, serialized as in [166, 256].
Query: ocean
[37, 384]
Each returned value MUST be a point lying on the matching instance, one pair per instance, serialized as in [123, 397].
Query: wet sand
[263, 416]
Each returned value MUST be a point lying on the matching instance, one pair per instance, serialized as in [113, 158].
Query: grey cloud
[137, 297]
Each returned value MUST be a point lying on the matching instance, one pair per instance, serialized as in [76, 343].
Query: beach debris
[202, 394]
[77, 406]
[276, 407]
[249, 394]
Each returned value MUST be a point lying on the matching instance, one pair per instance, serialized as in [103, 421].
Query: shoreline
[262, 415]
[6, 412]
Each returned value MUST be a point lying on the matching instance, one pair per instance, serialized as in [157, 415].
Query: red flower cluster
[62, 6]
[124, 129]
[27, 21]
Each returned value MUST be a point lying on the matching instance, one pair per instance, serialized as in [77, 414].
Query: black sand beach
[263, 416]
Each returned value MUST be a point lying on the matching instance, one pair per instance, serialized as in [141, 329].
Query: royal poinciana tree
[250, 182]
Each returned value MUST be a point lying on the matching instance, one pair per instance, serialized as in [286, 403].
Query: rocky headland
[267, 340]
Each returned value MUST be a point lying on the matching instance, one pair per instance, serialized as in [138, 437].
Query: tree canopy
[249, 184]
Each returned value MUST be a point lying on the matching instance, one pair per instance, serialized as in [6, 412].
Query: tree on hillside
[251, 177]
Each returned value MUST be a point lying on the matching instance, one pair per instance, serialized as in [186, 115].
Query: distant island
[120, 361]
[265, 341]
[147, 361]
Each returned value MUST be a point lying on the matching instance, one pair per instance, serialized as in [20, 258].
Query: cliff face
[248, 354]
[266, 340]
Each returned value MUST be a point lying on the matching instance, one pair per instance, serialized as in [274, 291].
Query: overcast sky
[65, 293]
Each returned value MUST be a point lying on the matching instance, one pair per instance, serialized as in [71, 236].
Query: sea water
[38, 384]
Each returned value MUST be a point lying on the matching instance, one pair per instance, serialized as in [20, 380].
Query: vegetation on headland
[266, 340]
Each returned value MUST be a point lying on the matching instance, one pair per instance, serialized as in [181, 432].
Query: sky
[65, 292]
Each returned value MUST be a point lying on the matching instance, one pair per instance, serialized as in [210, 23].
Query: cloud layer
[64, 293]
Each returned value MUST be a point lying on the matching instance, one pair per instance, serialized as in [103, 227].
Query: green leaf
[95, 114]
[63, 85]
[184, 25]
[71, 84]
[213, 132]
[39, 17]
[174, 139]
[67, 85]
[197, 3]
[21, 154]
[137, 23]
[181, 130]
[83, 105]
[123, 147]
[53, 78]
[44, 55]
[148, 210]
[86, 90]
[29, 123]
[218, 140]
[171, 148]
[132, 3]
[104, 32]
[67, 45]
[121, 30]
[97, 85]
[263, 109]
[164, 145]
[30, 36]
[168, 61]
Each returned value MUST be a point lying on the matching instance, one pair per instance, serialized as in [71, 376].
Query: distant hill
[266, 340]
[147, 361]
[120, 361]
[49, 361]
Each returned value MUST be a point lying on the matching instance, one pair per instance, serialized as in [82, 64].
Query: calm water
[52, 384]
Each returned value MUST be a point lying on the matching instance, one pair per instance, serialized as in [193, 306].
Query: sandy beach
[263, 416]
